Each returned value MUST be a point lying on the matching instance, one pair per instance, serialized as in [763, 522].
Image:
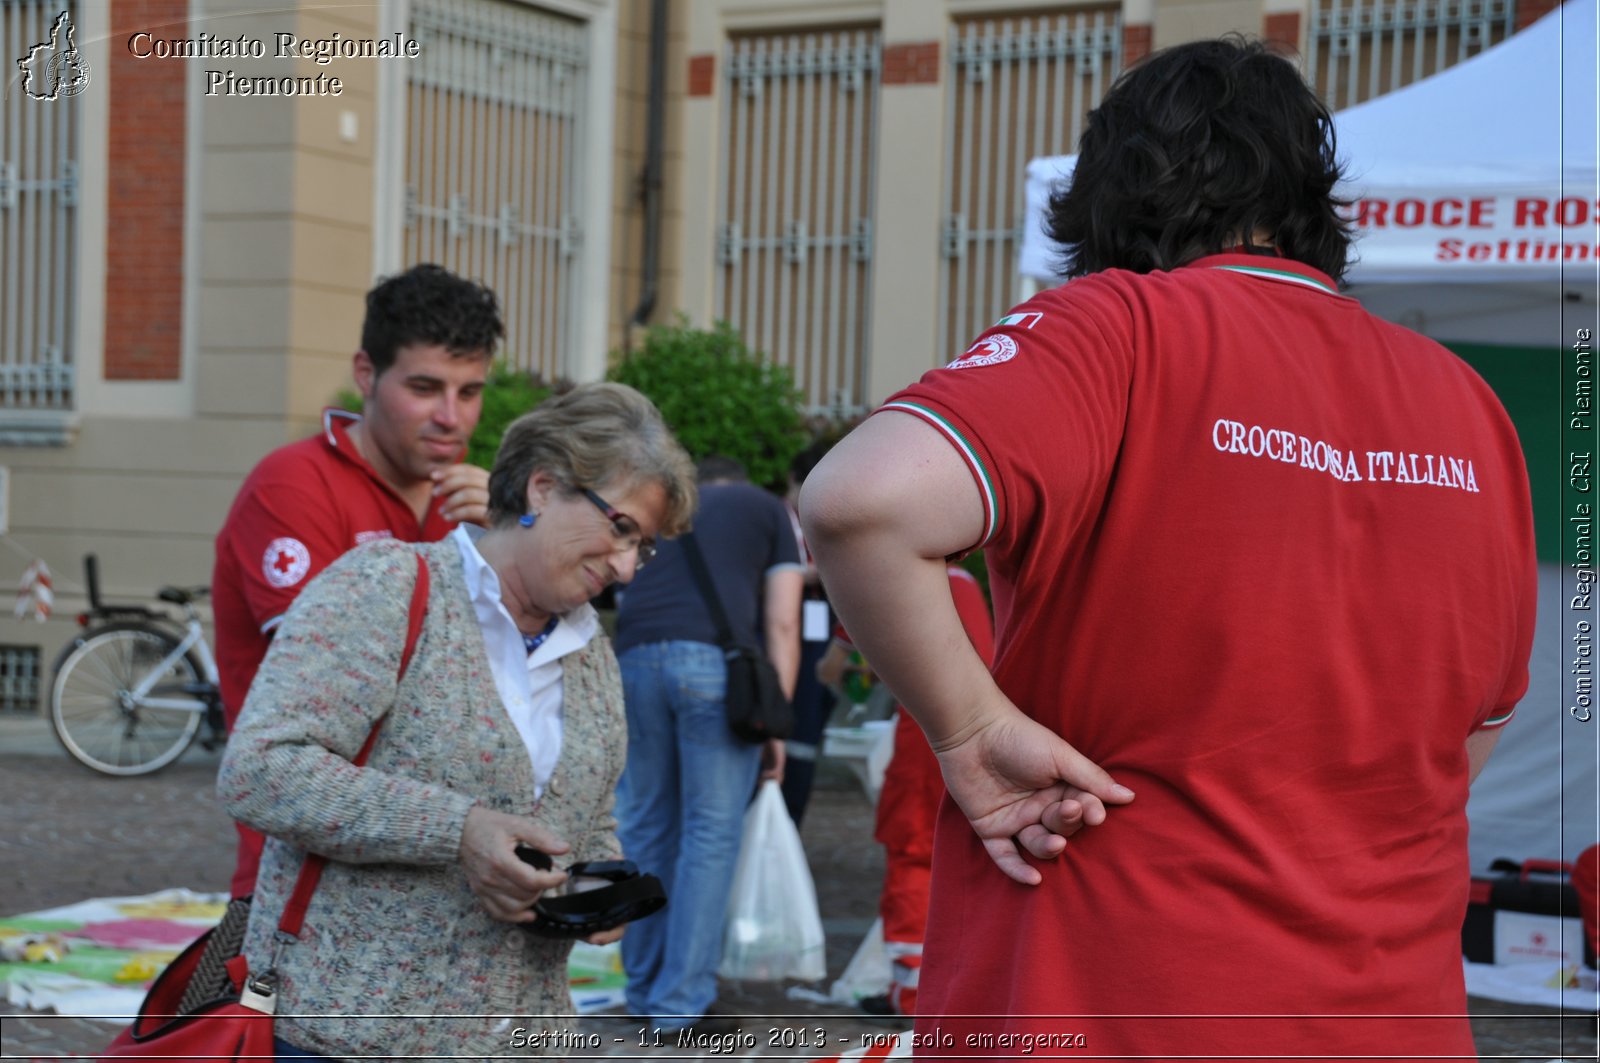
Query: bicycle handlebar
[182, 595]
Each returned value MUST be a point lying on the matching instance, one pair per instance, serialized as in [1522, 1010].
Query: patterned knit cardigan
[398, 957]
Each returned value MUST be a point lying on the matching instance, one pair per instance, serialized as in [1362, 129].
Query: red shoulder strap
[419, 613]
[294, 912]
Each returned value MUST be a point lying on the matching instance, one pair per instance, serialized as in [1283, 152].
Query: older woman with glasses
[505, 730]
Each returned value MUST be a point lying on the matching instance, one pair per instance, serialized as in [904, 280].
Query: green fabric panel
[1528, 382]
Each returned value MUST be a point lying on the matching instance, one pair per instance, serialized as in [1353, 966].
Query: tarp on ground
[96, 958]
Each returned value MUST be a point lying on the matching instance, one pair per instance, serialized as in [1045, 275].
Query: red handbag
[237, 1023]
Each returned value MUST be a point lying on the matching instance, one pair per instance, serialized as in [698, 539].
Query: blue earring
[527, 519]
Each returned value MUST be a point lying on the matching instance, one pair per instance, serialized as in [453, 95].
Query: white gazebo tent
[1478, 195]
[1480, 190]
[1478, 212]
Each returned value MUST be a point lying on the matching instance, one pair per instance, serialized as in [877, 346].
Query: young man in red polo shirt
[396, 471]
[1266, 560]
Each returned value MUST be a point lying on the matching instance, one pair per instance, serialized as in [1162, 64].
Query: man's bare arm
[1479, 745]
[881, 513]
[780, 623]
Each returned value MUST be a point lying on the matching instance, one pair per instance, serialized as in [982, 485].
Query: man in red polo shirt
[396, 471]
[1261, 557]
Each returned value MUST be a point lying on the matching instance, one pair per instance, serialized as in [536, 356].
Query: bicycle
[133, 689]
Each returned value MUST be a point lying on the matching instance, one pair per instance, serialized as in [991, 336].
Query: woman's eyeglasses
[624, 529]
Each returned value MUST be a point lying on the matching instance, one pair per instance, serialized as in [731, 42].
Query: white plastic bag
[774, 930]
[868, 972]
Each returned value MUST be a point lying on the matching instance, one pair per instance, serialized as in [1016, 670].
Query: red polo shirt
[1269, 561]
[301, 508]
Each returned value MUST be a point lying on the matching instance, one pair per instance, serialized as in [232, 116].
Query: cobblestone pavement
[69, 834]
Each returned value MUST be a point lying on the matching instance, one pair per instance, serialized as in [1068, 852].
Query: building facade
[195, 194]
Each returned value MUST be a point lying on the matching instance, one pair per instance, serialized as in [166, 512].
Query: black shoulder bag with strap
[757, 709]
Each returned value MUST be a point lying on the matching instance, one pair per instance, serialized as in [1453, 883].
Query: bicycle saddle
[598, 895]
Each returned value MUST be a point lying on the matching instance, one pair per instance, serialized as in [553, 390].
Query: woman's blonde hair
[591, 435]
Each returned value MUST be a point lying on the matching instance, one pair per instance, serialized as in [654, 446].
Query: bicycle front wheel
[96, 714]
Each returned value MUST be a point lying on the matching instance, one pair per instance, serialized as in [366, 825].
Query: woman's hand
[503, 884]
[1020, 783]
[774, 755]
[606, 937]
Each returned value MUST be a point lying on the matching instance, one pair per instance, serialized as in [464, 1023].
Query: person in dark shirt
[682, 797]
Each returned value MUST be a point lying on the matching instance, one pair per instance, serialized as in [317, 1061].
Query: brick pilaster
[702, 74]
[911, 64]
[1282, 29]
[1531, 11]
[144, 210]
[1137, 41]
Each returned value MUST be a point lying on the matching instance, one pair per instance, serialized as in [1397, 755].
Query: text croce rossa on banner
[1508, 234]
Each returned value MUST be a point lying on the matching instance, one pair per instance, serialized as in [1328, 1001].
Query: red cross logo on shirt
[285, 562]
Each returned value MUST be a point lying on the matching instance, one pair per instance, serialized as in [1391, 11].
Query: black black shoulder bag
[757, 709]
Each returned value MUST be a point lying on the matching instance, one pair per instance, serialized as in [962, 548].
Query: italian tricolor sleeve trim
[1499, 720]
[968, 453]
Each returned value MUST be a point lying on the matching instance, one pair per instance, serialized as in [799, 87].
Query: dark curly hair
[429, 304]
[1198, 149]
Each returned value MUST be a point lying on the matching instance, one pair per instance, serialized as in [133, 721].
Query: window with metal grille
[794, 233]
[1018, 88]
[495, 127]
[1358, 49]
[19, 679]
[39, 116]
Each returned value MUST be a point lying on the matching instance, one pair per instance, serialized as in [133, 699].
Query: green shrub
[720, 397]
[510, 393]
[978, 565]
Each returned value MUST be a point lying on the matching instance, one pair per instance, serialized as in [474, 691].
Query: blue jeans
[284, 1050]
[813, 703]
[680, 808]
